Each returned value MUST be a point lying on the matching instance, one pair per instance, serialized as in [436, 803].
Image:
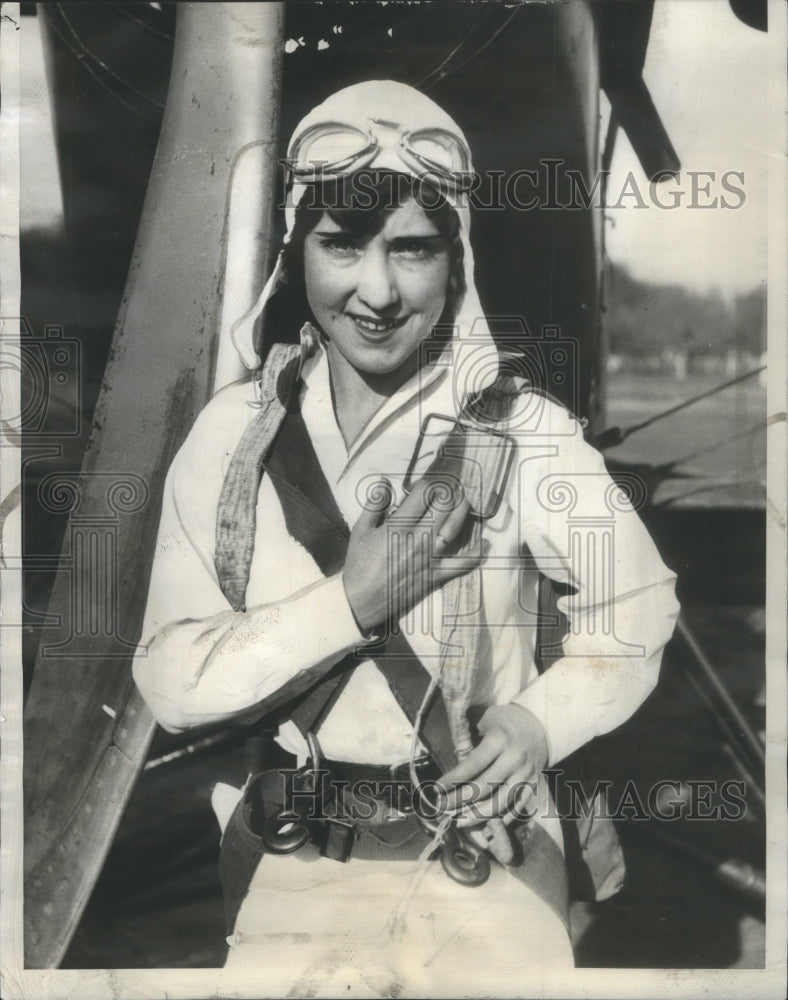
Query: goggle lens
[332, 144]
[440, 149]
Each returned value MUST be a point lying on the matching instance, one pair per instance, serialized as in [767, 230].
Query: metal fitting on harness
[338, 838]
[287, 831]
[462, 860]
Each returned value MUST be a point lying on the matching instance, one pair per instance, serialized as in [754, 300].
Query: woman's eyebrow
[337, 232]
[426, 238]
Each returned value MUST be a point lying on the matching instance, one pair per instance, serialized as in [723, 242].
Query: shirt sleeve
[582, 530]
[200, 662]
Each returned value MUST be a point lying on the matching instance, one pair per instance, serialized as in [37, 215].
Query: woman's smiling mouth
[371, 326]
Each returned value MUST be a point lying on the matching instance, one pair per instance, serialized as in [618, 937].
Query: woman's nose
[377, 286]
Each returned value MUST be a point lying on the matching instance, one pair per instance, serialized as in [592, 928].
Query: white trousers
[314, 927]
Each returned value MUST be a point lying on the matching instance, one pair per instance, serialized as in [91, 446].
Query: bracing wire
[100, 62]
[441, 73]
[761, 424]
[121, 8]
[614, 436]
[423, 82]
[490, 40]
[708, 487]
[88, 68]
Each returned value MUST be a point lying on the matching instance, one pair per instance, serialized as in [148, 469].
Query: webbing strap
[236, 512]
[314, 520]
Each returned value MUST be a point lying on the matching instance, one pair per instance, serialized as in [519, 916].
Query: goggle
[334, 149]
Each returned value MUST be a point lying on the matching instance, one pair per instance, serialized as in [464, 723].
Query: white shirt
[200, 662]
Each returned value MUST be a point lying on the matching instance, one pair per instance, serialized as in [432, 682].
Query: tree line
[643, 318]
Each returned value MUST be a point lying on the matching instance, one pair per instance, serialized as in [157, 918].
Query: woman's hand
[395, 559]
[500, 774]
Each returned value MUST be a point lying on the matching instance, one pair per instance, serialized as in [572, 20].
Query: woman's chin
[395, 370]
[374, 362]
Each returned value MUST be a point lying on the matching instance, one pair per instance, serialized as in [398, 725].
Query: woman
[260, 593]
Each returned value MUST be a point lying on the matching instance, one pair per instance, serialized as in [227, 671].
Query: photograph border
[15, 981]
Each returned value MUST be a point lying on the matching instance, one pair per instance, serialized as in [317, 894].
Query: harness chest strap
[594, 854]
[314, 520]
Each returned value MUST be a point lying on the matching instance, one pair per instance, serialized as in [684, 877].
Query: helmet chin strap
[242, 331]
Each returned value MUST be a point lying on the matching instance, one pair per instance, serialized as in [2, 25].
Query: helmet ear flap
[457, 286]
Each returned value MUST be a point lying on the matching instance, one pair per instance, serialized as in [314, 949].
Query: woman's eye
[419, 249]
[341, 246]
[414, 251]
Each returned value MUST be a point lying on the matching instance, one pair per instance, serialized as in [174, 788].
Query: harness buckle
[338, 839]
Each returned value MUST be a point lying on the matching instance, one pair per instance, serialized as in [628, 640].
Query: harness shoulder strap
[277, 442]
[282, 447]
[314, 520]
[235, 518]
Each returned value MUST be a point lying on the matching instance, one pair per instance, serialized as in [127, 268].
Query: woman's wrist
[369, 629]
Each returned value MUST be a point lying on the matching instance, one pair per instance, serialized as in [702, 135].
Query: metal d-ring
[284, 835]
[462, 860]
[286, 832]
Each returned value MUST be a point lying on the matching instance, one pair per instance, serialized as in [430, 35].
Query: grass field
[723, 437]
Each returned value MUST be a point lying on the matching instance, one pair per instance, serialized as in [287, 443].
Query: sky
[706, 72]
[42, 196]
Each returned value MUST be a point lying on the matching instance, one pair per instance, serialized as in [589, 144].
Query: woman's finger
[474, 763]
[493, 792]
[449, 527]
[512, 800]
[376, 507]
[415, 504]
[479, 813]
[482, 811]
[477, 761]
[438, 494]
[501, 771]
[524, 806]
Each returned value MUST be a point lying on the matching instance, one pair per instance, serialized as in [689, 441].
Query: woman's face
[376, 298]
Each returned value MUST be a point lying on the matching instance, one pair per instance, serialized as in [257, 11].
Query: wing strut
[86, 729]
